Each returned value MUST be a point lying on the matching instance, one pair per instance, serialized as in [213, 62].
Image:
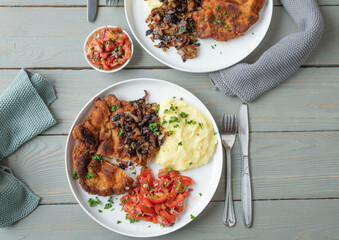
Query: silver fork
[112, 3]
[228, 133]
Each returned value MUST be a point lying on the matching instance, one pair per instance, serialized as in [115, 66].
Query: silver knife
[92, 6]
[246, 194]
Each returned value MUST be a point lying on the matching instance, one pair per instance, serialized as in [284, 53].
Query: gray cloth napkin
[23, 115]
[249, 81]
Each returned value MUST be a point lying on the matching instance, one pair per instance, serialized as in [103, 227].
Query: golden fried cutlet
[87, 133]
[116, 129]
[99, 176]
[226, 19]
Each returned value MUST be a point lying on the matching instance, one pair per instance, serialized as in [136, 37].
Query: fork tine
[234, 128]
[229, 122]
[223, 124]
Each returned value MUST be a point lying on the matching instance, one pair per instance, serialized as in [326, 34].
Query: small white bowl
[113, 70]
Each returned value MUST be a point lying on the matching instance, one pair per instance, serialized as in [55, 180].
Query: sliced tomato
[147, 210]
[167, 216]
[187, 180]
[158, 197]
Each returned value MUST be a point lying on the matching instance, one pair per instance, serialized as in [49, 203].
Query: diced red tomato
[109, 49]
[157, 200]
[158, 197]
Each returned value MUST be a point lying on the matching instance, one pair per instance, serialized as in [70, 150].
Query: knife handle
[246, 193]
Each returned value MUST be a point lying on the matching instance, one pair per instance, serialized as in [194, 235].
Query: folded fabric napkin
[249, 81]
[23, 115]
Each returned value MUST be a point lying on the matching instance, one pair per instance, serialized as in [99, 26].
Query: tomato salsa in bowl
[108, 49]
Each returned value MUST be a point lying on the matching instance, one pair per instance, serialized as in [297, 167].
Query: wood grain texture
[278, 220]
[308, 101]
[101, 2]
[284, 166]
[54, 39]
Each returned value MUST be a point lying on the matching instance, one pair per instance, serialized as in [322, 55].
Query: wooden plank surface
[43, 43]
[308, 101]
[284, 166]
[278, 220]
[101, 2]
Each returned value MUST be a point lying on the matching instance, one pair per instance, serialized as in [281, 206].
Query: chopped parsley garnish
[227, 27]
[180, 143]
[173, 119]
[99, 210]
[217, 7]
[198, 134]
[92, 202]
[149, 226]
[132, 145]
[215, 133]
[108, 205]
[176, 126]
[206, 19]
[183, 114]
[118, 221]
[212, 46]
[110, 199]
[200, 194]
[190, 121]
[190, 163]
[169, 170]
[132, 220]
[164, 121]
[181, 29]
[166, 111]
[170, 133]
[135, 172]
[192, 217]
[113, 107]
[158, 107]
[89, 175]
[201, 125]
[96, 157]
[87, 119]
[96, 58]
[181, 99]
[120, 132]
[154, 128]
[100, 66]
[75, 175]
[172, 108]
[143, 168]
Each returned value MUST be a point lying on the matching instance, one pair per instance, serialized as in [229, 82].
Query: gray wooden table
[294, 128]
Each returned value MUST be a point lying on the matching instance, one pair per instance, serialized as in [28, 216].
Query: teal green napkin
[23, 115]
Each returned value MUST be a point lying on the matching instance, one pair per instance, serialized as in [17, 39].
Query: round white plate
[206, 178]
[209, 59]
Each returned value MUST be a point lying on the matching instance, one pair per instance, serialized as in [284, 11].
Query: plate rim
[268, 2]
[216, 180]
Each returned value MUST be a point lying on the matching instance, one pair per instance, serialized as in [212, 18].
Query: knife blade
[92, 6]
[246, 193]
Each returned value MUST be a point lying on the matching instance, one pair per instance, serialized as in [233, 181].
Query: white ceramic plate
[206, 178]
[223, 55]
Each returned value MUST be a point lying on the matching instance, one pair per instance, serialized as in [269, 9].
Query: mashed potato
[153, 3]
[192, 138]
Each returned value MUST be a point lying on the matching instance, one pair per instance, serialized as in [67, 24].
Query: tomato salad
[157, 200]
[108, 48]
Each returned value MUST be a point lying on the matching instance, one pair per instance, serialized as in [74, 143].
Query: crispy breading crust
[226, 19]
[107, 178]
[98, 134]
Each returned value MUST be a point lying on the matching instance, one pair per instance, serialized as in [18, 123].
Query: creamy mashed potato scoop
[192, 138]
[153, 3]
